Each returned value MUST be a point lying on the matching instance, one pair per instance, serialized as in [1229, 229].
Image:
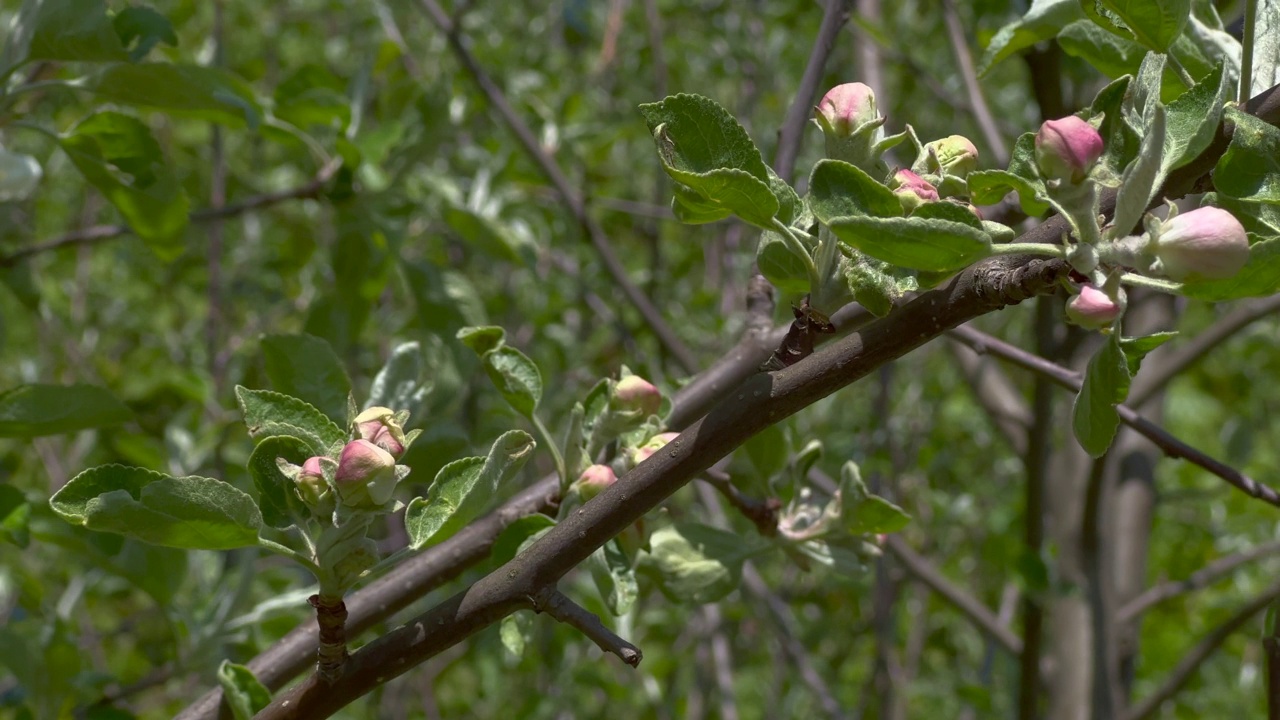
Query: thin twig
[98, 233]
[971, 607]
[1202, 578]
[1190, 662]
[1172, 446]
[762, 513]
[964, 64]
[1161, 367]
[791, 133]
[555, 604]
[595, 234]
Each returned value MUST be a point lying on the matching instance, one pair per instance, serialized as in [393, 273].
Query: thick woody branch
[555, 604]
[763, 400]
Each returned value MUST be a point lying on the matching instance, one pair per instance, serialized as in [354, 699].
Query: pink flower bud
[1092, 308]
[380, 426]
[312, 488]
[593, 480]
[366, 474]
[845, 108]
[1066, 149]
[634, 394]
[955, 154]
[912, 190]
[653, 445]
[1208, 244]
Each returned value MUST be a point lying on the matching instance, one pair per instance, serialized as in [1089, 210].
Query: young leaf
[482, 339]
[517, 534]
[1042, 21]
[704, 148]
[1136, 348]
[1112, 55]
[1191, 120]
[277, 499]
[402, 382]
[874, 514]
[29, 411]
[194, 513]
[934, 244]
[1154, 23]
[1106, 384]
[245, 695]
[15, 516]
[697, 563]
[780, 266]
[515, 632]
[1142, 178]
[118, 156]
[516, 377]
[451, 502]
[615, 577]
[62, 30]
[1250, 168]
[305, 366]
[838, 189]
[199, 91]
[269, 413]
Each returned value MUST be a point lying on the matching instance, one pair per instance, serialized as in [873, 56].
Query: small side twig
[791, 133]
[557, 605]
[964, 63]
[1163, 439]
[762, 513]
[1202, 578]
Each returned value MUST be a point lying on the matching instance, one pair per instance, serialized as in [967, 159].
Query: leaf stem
[798, 249]
[1246, 52]
[289, 552]
[1028, 249]
[545, 436]
[1183, 75]
[1135, 280]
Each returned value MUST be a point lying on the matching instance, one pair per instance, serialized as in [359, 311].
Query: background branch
[1202, 578]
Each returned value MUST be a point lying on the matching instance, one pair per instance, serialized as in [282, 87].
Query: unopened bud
[1066, 149]
[955, 155]
[593, 480]
[1208, 244]
[366, 475]
[1092, 308]
[845, 108]
[380, 426]
[912, 190]
[312, 488]
[634, 394]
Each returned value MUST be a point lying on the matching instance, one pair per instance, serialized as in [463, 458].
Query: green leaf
[704, 148]
[194, 513]
[1119, 141]
[838, 189]
[697, 563]
[1136, 348]
[874, 514]
[615, 577]
[484, 234]
[199, 91]
[402, 383]
[1191, 120]
[142, 28]
[268, 413]
[933, 244]
[516, 534]
[1042, 21]
[244, 694]
[62, 30]
[780, 266]
[691, 208]
[1154, 23]
[1259, 277]
[15, 516]
[1250, 168]
[277, 498]
[1106, 384]
[306, 367]
[516, 377]
[29, 411]
[768, 451]
[987, 187]
[451, 503]
[1112, 55]
[876, 284]
[1142, 179]
[516, 632]
[482, 339]
[19, 176]
[118, 156]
